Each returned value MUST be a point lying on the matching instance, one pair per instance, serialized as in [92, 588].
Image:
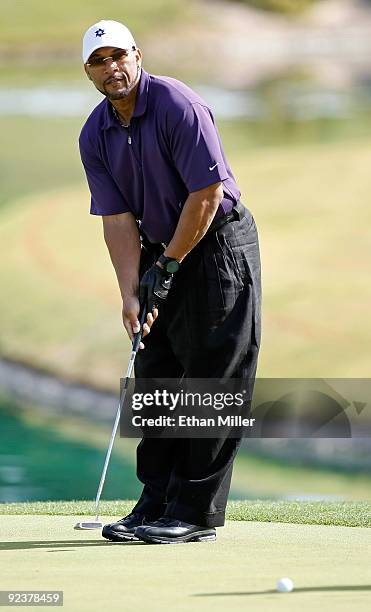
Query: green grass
[43, 26]
[263, 477]
[310, 204]
[41, 41]
[39, 154]
[346, 514]
[315, 513]
[277, 131]
[288, 7]
[51, 160]
[328, 565]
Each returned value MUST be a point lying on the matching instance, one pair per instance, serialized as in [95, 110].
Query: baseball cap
[106, 33]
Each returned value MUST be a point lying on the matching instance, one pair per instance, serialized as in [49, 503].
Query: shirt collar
[109, 119]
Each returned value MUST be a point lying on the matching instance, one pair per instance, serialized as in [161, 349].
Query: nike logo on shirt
[213, 167]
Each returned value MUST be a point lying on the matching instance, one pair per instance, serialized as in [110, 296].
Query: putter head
[89, 525]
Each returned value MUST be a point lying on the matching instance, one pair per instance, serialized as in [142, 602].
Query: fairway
[287, 86]
[329, 566]
[314, 256]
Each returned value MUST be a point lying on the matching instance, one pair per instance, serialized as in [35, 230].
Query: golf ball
[285, 585]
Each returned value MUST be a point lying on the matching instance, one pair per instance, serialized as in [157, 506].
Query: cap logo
[99, 32]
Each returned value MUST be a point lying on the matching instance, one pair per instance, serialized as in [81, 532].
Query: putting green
[329, 567]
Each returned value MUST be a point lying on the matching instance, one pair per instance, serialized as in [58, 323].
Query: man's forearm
[197, 214]
[122, 239]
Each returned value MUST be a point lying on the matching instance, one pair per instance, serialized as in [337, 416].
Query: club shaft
[133, 355]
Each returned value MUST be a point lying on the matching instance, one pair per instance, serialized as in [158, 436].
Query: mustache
[117, 77]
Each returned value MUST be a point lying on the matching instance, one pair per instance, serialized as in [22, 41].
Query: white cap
[106, 34]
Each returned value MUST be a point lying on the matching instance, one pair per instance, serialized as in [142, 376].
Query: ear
[138, 56]
[87, 72]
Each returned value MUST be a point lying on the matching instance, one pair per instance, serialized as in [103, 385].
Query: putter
[97, 524]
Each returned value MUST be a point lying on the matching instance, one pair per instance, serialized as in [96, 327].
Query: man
[153, 158]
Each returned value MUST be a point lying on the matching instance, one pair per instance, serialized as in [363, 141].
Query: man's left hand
[154, 287]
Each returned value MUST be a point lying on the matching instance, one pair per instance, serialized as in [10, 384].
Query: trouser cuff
[194, 516]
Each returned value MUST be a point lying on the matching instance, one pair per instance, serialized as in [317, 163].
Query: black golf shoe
[123, 530]
[172, 531]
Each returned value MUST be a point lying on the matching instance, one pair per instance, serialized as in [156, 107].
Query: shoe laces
[131, 515]
[164, 520]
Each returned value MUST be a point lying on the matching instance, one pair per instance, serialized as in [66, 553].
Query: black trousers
[209, 327]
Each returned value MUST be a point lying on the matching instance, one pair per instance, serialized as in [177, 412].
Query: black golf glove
[154, 287]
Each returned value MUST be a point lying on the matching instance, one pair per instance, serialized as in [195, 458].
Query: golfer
[178, 235]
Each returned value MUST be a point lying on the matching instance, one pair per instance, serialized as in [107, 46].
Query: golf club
[96, 524]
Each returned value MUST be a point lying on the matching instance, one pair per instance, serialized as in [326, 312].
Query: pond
[37, 462]
[292, 96]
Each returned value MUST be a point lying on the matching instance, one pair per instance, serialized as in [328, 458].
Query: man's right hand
[130, 314]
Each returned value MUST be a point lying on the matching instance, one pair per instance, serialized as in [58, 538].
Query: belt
[236, 214]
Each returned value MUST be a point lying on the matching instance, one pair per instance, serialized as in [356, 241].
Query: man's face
[115, 77]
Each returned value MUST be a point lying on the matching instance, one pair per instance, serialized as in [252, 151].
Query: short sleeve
[196, 148]
[106, 198]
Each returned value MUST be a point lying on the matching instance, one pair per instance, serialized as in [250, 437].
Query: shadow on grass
[60, 544]
[355, 587]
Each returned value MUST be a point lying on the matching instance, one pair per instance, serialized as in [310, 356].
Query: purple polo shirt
[171, 149]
